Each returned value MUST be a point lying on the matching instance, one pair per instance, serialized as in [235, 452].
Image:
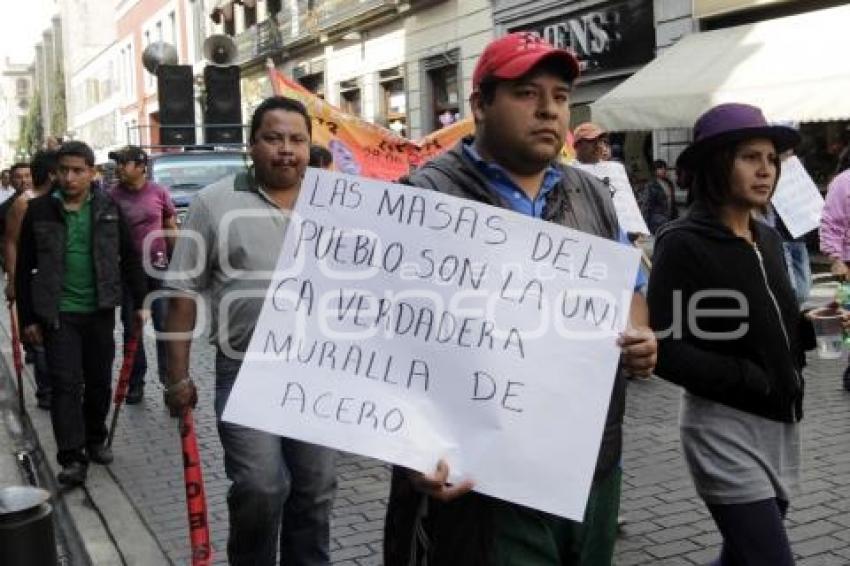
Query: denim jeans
[799, 269]
[79, 353]
[158, 313]
[282, 489]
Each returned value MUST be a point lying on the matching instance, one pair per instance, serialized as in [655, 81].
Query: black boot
[73, 474]
[100, 454]
[135, 394]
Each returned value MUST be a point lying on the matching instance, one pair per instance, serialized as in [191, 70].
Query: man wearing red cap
[520, 101]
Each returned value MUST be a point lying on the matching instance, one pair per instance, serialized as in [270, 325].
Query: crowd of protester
[75, 251]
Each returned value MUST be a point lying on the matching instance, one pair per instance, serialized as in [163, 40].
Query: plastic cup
[829, 334]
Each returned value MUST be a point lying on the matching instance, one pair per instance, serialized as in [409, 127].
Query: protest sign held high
[409, 325]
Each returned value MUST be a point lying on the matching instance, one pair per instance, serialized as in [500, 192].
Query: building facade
[139, 23]
[405, 65]
[88, 34]
[49, 75]
[94, 106]
[16, 91]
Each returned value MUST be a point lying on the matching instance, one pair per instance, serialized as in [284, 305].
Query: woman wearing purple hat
[730, 332]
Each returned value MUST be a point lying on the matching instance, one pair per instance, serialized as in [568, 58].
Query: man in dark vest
[520, 101]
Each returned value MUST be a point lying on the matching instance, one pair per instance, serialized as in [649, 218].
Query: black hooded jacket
[749, 352]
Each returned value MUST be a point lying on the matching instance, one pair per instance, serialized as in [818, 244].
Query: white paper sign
[797, 199]
[408, 325]
[628, 211]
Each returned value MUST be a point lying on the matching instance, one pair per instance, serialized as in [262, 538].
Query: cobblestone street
[665, 522]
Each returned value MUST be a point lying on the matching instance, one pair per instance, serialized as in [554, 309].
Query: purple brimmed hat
[732, 123]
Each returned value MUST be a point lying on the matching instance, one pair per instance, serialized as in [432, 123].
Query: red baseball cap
[513, 55]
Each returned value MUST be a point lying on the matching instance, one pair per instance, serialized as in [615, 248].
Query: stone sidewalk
[666, 523]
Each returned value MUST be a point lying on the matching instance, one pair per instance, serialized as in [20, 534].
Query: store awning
[795, 68]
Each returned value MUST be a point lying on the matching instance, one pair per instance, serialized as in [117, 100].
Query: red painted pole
[130, 349]
[16, 357]
[196, 501]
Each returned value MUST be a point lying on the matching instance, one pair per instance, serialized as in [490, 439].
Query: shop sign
[612, 36]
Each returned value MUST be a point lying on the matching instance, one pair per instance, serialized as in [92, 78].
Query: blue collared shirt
[518, 200]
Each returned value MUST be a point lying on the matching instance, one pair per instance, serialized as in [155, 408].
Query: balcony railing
[330, 13]
[286, 29]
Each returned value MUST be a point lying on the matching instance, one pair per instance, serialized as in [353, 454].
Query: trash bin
[26, 527]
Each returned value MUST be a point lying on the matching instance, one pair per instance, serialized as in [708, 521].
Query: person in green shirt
[74, 253]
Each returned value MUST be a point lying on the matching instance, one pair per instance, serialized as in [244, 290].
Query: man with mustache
[282, 489]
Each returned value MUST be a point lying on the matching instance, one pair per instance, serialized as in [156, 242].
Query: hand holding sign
[436, 484]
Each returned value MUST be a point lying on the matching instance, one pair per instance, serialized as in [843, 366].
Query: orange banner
[362, 148]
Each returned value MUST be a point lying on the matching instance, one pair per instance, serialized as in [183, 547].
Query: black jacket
[460, 532]
[40, 266]
[757, 366]
[654, 205]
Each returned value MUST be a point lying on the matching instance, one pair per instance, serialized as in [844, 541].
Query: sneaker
[135, 395]
[73, 474]
[100, 454]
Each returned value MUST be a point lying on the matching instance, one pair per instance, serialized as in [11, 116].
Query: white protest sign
[408, 325]
[628, 211]
[797, 199]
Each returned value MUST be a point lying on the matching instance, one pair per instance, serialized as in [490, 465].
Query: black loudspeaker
[176, 105]
[223, 113]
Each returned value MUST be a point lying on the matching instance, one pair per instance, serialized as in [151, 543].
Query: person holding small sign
[282, 489]
[834, 232]
[732, 334]
[520, 101]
